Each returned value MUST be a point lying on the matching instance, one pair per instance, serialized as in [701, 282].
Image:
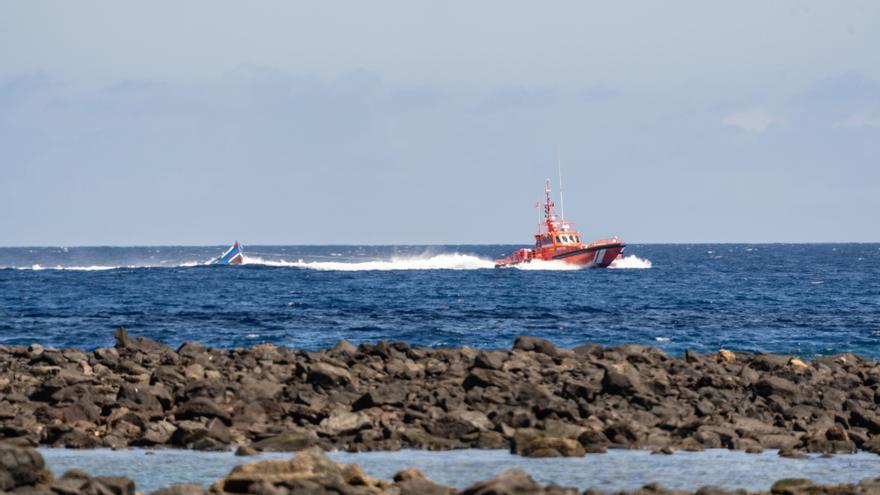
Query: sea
[610, 472]
[799, 299]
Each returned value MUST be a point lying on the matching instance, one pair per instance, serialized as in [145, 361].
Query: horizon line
[732, 243]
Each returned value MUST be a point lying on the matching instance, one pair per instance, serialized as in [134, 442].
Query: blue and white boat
[232, 256]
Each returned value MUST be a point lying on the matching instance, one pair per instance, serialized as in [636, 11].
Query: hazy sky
[200, 122]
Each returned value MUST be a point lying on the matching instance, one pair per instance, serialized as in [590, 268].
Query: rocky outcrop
[22, 470]
[535, 399]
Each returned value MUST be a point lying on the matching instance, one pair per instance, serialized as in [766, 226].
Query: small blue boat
[233, 256]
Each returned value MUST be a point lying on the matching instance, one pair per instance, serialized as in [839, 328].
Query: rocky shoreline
[23, 471]
[535, 399]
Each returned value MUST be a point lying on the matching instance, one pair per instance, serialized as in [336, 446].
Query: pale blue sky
[199, 122]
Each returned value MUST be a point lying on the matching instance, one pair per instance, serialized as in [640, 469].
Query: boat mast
[548, 208]
[561, 200]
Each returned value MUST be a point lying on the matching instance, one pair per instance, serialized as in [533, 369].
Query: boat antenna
[561, 200]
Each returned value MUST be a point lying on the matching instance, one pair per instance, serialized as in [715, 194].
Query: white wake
[447, 261]
[630, 262]
[452, 261]
[547, 265]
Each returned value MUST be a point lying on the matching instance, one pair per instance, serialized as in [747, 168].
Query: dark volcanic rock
[21, 467]
[390, 395]
[523, 343]
[202, 407]
[327, 375]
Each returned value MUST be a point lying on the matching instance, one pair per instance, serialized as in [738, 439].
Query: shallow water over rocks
[615, 470]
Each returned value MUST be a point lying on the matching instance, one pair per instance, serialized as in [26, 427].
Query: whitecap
[630, 262]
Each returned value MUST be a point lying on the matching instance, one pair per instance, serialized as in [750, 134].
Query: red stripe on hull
[599, 258]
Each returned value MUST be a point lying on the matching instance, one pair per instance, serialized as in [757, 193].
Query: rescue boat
[232, 256]
[557, 241]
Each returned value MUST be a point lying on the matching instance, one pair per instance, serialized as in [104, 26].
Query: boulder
[413, 482]
[513, 482]
[290, 441]
[246, 451]
[309, 472]
[385, 395]
[534, 443]
[20, 467]
[182, 489]
[115, 485]
[622, 379]
[344, 423]
[773, 385]
[534, 344]
[866, 419]
[328, 376]
[202, 407]
[479, 377]
[489, 360]
[141, 344]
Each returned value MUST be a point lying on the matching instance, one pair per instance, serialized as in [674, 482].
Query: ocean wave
[451, 261]
[630, 262]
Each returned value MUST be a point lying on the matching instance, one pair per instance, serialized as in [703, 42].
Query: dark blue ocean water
[798, 299]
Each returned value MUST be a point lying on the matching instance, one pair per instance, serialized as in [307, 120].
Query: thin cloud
[756, 120]
[862, 119]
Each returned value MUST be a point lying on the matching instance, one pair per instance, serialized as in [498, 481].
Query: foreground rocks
[22, 471]
[536, 399]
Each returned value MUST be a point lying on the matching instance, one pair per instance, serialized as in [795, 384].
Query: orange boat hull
[596, 255]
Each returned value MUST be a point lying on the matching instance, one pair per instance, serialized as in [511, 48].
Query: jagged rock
[326, 375]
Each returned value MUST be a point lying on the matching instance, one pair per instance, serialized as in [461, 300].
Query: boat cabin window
[558, 241]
